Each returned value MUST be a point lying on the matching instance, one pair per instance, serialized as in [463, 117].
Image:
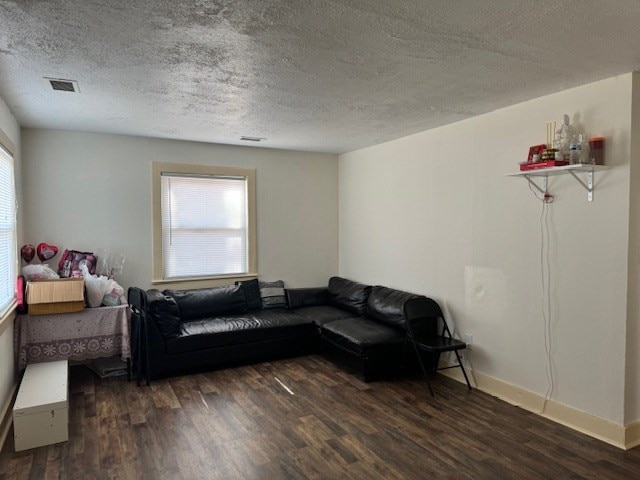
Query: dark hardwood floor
[241, 423]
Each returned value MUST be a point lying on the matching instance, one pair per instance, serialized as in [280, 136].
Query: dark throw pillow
[251, 294]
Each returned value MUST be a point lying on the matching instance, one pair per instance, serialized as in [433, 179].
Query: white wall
[632, 400]
[11, 129]
[91, 191]
[433, 213]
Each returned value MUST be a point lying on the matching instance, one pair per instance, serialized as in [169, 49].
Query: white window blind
[8, 249]
[204, 225]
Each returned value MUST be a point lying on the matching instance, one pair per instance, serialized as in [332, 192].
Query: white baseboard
[609, 432]
[632, 435]
[6, 415]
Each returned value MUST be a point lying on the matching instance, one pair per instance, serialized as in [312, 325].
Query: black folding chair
[422, 333]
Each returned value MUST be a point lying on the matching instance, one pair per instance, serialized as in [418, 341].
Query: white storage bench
[41, 411]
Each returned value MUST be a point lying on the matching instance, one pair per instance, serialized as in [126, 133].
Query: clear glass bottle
[574, 154]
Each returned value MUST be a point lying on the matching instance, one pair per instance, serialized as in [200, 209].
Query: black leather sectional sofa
[361, 326]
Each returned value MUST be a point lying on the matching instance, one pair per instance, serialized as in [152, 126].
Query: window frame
[158, 168]
[9, 312]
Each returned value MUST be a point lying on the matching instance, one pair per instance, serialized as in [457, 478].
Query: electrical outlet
[468, 339]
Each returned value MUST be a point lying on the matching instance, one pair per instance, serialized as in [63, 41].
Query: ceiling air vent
[63, 85]
[252, 139]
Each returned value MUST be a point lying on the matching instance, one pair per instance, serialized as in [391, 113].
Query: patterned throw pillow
[273, 295]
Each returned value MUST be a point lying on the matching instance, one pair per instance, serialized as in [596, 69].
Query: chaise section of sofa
[362, 327]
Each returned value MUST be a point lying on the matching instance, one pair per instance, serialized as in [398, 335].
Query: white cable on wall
[545, 277]
[547, 324]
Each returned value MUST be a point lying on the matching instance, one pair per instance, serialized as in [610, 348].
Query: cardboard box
[62, 295]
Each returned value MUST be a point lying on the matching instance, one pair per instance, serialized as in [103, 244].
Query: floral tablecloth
[91, 333]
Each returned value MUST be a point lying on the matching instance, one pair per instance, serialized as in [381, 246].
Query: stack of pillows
[264, 294]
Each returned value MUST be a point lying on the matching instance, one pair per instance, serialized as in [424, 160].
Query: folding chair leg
[136, 353]
[146, 373]
[404, 354]
[463, 370]
[424, 371]
[145, 369]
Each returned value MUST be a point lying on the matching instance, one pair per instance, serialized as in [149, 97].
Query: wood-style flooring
[241, 423]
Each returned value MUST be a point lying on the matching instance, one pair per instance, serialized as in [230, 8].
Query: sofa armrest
[306, 297]
[163, 312]
[147, 343]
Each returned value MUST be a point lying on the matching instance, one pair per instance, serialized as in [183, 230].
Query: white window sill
[7, 316]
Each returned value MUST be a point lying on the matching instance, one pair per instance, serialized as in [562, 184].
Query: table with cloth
[88, 334]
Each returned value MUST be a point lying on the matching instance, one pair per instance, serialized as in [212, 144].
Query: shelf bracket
[543, 189]
[588, 186]
[587, 181]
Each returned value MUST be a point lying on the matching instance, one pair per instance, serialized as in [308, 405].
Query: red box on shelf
[545, 164]
[535, 150]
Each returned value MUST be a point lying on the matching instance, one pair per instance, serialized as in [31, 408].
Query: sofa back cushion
[306, 297]
[348, 295]
[209, 302]
[386, 305]
[165, 312]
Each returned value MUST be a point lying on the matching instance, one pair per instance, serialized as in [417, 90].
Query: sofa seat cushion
[238, 329]
[360, 335]
[321, 314]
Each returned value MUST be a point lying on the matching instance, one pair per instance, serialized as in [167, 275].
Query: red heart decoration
[46, 251]
[27, 252]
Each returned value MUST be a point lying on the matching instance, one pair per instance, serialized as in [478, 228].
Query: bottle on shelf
[574, 154]
[596, 150]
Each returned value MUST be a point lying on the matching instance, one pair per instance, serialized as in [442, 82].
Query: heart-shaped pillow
[46, 251]
[27, 252]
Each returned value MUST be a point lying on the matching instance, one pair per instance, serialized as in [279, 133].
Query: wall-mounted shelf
[573, 170]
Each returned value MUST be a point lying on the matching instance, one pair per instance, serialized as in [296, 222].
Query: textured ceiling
[315, 75]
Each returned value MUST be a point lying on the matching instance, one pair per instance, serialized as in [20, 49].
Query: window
[203, 222]
[8, 249]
